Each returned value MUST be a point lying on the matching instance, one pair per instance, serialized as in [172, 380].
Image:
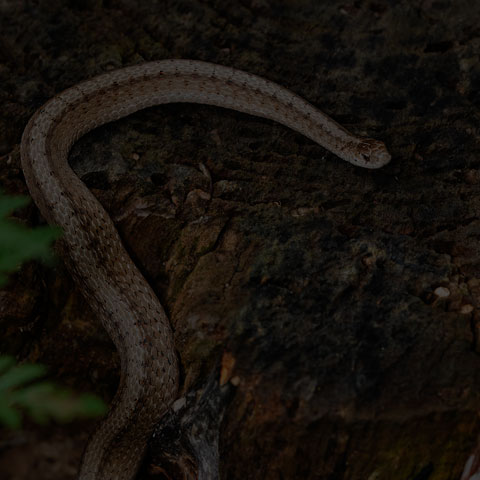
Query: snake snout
[373, 153]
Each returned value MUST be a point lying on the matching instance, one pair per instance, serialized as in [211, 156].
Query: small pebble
[442, 292]
[178, 404]
[466, 309]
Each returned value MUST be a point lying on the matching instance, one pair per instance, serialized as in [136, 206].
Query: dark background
[318, 278]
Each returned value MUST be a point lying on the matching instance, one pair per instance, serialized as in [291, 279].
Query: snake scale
[91, 246]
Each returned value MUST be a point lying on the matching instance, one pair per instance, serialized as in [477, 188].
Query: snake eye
[366, 157]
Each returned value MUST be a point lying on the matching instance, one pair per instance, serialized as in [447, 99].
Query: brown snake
[107, 277]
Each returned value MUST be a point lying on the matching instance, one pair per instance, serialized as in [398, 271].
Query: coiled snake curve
[93, 251]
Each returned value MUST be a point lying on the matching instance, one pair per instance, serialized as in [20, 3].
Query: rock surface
[326, 317]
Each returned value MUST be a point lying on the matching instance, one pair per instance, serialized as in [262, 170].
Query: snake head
[371, 153]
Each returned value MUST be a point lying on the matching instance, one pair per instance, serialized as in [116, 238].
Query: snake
[93, 251]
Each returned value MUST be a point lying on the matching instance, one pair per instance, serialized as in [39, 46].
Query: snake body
[93, 251]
